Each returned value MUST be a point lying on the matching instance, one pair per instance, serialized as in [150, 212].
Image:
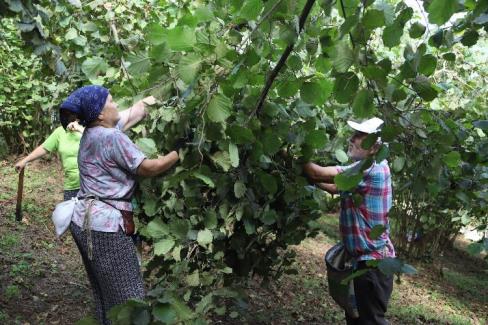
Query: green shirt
[67, 144]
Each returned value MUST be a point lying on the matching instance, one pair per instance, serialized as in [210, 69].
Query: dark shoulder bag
[339, 266]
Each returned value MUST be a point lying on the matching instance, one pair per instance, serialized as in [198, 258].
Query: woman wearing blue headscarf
[109, 163]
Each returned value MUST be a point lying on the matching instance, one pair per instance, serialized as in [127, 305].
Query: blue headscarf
[87, 102]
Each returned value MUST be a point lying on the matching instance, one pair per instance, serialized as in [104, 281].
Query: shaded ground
[42, 280]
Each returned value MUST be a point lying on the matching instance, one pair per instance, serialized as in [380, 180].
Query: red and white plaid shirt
[356, 221]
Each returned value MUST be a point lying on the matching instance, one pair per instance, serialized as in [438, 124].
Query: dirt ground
[42, 279]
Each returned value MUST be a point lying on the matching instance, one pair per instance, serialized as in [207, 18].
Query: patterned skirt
[113, 271]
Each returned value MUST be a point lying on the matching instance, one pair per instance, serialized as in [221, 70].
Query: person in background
[109, 163]
[65, 141]
[373, 288]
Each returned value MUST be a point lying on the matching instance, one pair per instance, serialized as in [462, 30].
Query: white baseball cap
[369, 126]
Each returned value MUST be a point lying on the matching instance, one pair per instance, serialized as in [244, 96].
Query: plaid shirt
[356, 222]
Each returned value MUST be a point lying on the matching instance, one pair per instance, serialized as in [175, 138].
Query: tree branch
[263, 18]
[269, 82]
[345, 17]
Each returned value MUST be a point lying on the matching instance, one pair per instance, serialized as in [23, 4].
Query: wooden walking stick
[20, 189]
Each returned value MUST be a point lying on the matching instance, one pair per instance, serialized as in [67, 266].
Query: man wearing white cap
[373, 288]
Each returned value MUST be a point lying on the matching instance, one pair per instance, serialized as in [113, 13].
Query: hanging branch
[121, 49]
[263, 18]
[269, 82]
[345, 17]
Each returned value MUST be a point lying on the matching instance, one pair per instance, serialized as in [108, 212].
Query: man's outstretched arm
[331, 188]
[319, 174]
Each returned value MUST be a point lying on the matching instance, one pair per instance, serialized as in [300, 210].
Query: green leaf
[234, 155]
[193, 280]
[210, 220]
[181, 38]
[390, 266]
[392, 35]
[164, 313]
[183, 312]
[398, 164]
[347, 7]
[147, 146]
[345, 87]
[271, 143]
[157, 229]
[121, 314]
[219, 108]
[249, 227]
[475, 248]
[470, 37]
[316, 92]
[323, 65]
[207, 180]
[404, 16]
[416, 30]
[342, 57]
[349, 23]
[377, 231]
[71, 34]
[268, 182]
[449, 56]
[80, 40]
[437, 39]
[294, 62]
[382, 154]
[374, 18]
[452, 159]
[316, 139]
[189, 66]
[239, 189]
[347, 182]
[155, 34]
[408, 269]
[222, 159]
[163, 246]
[427, 64]
[363, 104]
[251, 9]
[159, 53]
[463, 197]
[240, 135]
[269, 217]
[150, 207]
[441, 10]
[204, 237]
[204, 14]
[94, 66]
[424, 88]
[179, 228]
[353, 275]
[288, 88]
[369, 141]
[341, 156]
[375, 72]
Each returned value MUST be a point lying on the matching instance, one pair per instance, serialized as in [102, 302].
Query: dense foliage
[28, 95]
[259, 87]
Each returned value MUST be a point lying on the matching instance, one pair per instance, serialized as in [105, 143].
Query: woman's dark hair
[66, 117]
